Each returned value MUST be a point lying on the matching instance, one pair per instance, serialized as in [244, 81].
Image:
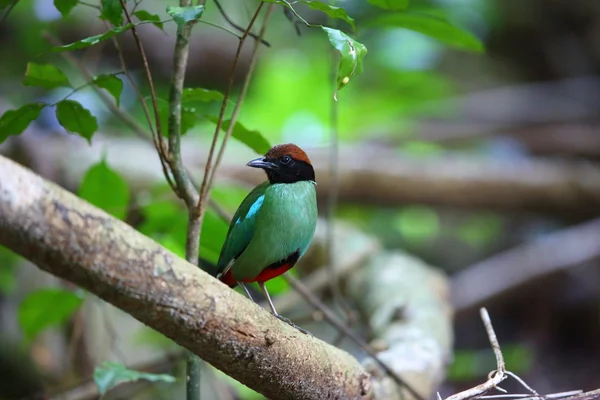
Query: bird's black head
[285, 163]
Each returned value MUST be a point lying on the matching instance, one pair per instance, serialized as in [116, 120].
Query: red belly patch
[266, 275]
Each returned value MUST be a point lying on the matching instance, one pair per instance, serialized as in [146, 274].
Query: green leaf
[13, 122]
[76, 118]
[353, 54]
[44, 75]
[188, 118]
[433, 25]
[183, 15]
[333, 12]
[45, 308]
[110, 374]
[193, 95]
[92, 40]
[112, 11]
[106, 189]
[394, 5]
[111, 83]
[8, 271]
[253, 139]
[65, 6]
[144, 15]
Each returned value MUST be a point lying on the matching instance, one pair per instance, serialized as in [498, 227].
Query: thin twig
[8, 11]
[241, 97]
[236, 26]
[106, 99]
[159, 143]
[495, 377]
[330, 317]
[208, 174]
[332, 199]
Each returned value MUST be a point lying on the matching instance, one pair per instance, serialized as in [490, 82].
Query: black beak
[261, 162]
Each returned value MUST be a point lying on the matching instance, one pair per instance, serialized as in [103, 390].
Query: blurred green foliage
[44, 308]
[473, 364]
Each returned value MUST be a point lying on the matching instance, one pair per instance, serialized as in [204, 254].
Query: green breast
[283, 222]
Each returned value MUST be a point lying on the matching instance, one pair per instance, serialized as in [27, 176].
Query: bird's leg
[284, 319]
[246, 290]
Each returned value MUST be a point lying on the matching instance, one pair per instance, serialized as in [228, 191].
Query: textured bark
[73, 240]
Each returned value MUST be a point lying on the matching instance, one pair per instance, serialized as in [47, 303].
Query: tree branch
[71, 239]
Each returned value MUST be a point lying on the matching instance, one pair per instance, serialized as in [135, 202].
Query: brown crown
[288, 149]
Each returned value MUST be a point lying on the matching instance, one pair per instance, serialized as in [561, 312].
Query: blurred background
[483, 165]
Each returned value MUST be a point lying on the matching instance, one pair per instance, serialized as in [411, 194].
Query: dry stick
[495, 377]
[330, 316]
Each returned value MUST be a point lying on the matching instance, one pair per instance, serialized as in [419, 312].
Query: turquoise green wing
[242, 226]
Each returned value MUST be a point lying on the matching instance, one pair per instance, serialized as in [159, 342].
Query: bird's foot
[287, 321]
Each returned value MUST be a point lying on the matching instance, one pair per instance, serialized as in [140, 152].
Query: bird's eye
[286, 159]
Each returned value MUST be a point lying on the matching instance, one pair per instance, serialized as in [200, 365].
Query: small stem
[184, 184]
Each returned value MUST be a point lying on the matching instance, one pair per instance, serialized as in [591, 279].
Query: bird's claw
[287, 321]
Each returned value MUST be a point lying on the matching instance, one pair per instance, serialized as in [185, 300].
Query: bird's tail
[211, 268]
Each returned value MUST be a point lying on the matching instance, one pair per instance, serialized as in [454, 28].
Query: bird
[274, 224]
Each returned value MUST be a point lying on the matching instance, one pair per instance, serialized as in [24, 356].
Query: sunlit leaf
[394, 5]
[431, 25]
[76, 118]
[106, 189]
[332, 11]
[13, 122]
[45, 308]
[65, 6]
[110, 374]
[92, 40]
[112, 11]
[111, 83]
[47, 76]
[352, 52]
[192, 95]
[183, 15]
[144, 15]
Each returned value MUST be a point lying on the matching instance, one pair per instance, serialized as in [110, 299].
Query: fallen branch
[503, 274]
[405, 302]
[71, 239]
